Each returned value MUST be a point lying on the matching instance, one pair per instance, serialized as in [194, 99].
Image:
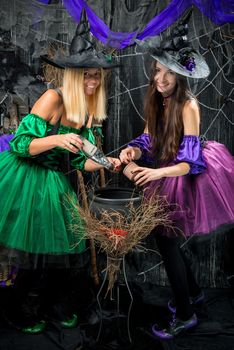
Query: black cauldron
[113, 199]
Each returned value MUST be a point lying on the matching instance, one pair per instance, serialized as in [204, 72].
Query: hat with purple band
[175, 52]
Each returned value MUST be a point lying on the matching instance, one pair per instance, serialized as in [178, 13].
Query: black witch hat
[82, 51]
[175, 52]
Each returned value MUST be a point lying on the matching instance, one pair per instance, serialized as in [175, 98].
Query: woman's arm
[70, 142]
[90, 165]
[144, 175]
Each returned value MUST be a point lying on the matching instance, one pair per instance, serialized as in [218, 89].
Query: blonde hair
[74, 97]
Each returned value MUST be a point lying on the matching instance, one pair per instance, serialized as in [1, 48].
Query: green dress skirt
[37, 203]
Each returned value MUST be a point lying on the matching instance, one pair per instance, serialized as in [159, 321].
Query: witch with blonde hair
[37, 201]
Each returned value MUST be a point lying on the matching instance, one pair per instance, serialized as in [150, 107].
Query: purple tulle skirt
[200, 204]
[4, 141]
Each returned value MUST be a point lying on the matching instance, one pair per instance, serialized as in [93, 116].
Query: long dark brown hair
[165, 125]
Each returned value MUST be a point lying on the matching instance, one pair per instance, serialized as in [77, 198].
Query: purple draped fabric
[218, 11]
[4, 142]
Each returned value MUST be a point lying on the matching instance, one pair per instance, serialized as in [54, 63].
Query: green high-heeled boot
[70, 323]
[35, 329]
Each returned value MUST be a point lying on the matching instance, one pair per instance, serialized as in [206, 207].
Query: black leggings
[180, 276]
[48, 286]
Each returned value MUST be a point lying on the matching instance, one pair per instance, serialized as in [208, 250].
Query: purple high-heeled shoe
[176, 326]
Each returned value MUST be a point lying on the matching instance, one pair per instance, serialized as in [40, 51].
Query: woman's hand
[144, 175]
[129, 154]
[70, 142]
[117, 164]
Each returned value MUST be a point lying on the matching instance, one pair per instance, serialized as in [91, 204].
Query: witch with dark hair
[38, 204]
[195, 178]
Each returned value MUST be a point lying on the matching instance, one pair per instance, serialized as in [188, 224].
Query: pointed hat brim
[82, 51]
[82, 61]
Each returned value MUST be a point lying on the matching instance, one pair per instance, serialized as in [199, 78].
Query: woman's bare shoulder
[48, 105]
[191, 117]
[191, 104]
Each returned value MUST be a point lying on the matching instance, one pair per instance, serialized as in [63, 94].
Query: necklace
[165, 99]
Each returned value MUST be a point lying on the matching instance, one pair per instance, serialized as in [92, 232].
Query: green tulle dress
[37, 203]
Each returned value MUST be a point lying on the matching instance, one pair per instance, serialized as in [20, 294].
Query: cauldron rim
[96, 198]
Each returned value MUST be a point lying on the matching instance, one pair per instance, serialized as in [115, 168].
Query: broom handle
[101, 171]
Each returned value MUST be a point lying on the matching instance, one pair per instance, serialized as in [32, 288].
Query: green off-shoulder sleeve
[79, 161]
[31, 127]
